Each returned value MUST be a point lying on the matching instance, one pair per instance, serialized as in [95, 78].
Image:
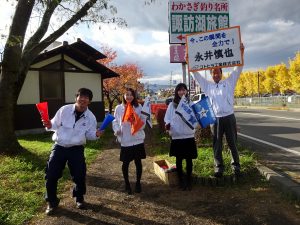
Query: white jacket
[125, 138]
[67, 133]
[221, 94]
[179, 129]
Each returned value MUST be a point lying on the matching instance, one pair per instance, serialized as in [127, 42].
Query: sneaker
[49, 210]
[218, 174]
[80, 205]
[51, 207]
[138, 187]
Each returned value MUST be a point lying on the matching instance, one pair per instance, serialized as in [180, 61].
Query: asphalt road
[274, 135]
[281, 128]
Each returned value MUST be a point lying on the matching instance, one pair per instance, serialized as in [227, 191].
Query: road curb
[285, 184]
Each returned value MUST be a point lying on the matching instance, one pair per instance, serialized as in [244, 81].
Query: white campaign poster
[213, 49]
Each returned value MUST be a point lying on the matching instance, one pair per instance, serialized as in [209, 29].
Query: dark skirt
[130, 153]
[184, 148]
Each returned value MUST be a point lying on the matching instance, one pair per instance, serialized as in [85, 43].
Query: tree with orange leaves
[114, 88]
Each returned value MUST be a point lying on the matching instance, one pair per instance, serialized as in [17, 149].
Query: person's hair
[176, 96]
[85, 92]
[211, 71]
[134, 101]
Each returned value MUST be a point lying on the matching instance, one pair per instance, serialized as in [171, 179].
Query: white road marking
[263, 115]
[271, 144]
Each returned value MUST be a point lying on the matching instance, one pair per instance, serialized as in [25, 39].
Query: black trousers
[225, 125]
[59, 156]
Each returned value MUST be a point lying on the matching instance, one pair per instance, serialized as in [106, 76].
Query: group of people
[74, 124]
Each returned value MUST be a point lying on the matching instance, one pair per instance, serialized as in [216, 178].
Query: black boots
[182, 185]
[138, 188]
[185, 184]
[128, 188]
[189, 182]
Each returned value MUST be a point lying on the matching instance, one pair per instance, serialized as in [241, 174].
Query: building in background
[55, 76]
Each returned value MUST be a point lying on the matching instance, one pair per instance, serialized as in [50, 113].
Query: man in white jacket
[72, 125]
[221, 95]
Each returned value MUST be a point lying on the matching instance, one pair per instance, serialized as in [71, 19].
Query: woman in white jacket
[183, 145]
[132, 146]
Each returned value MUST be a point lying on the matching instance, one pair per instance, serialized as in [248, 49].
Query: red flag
[131, 116]
[43, 110]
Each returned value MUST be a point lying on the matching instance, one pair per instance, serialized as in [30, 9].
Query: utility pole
[148, 91]
[189, 79]
[258, 84]
[184, 73]
[171, 80]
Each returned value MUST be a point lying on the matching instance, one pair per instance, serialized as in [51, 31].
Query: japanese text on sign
[189, 23]
[220, 48]
[177, 53]
[199, 6]
[196, 16]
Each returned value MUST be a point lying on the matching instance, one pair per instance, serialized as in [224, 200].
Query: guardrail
[292, 101]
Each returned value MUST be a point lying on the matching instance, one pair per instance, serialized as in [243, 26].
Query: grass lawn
[22, 177]
[203, 166]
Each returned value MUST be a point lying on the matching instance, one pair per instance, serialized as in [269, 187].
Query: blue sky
[270, 31]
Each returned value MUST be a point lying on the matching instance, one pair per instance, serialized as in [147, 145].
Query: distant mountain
[157, 87]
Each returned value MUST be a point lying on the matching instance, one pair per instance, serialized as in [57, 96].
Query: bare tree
[18, 54]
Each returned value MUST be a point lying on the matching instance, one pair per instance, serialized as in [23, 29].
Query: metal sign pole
[189, 79]
[184, 73]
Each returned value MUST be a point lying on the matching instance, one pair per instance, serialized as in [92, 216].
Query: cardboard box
[167, 176]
